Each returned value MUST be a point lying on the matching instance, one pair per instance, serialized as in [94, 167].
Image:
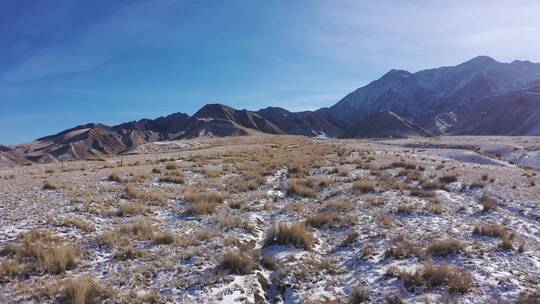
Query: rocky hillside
[441, 100]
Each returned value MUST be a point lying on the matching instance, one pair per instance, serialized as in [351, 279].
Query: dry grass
[140, 229]
[174, 177]
[351, 238]
[164, 238]
[131, 192]
[488, 203]
[237, 262]
[433, 276]
[301, 187]
[50, 185]
[201, 207]
[447, 179]
[290, 234]
[386, 219]
[363, 186]
[38, 251]
[323, 218]
[171, 166]
[115, 177]
[129, 253]
[85, 290]
[445, 247]
[359, 295]
[402, 249]
[79, 223]
[128, 209]
[340, 205]
[491, 230]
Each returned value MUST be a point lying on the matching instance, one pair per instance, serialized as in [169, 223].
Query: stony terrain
[272, 219]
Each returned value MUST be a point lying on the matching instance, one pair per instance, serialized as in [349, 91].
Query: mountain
[10, 156]
[437, 100]
[478, 97]
[88, 141]
[514, 113]
[301, 123]
[382, 124]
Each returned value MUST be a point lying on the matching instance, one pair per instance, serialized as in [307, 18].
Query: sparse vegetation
[85, 290]
[237, 262]
[363, 186]
[290, 234]
[323, 215]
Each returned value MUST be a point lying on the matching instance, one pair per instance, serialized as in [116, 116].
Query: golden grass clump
[492, 230]
[38, 251]
[432, 276]
[237, 262]
[301, 187]
[50, 185]
[445, 247]
[164, 238]
[85, 290]
[363, 186]
[115, 177]
[320, 219]
[488, 203]
[340, 205]
[290, 234]
[140, 229]
[359, 295]
[79, 223]
[173, 177]
[127, 209]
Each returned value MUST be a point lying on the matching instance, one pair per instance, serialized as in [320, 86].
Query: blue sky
[64, 63]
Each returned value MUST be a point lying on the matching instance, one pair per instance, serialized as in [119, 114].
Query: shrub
[445, 247]
[363, 186]
[237, 262]
[290, 234]
[85, 290]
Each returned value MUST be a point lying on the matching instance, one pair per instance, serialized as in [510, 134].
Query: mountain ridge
[478, 97]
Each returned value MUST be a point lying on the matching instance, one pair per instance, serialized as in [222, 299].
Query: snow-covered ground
[372, 234]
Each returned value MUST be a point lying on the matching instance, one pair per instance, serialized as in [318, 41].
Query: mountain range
[479, 97]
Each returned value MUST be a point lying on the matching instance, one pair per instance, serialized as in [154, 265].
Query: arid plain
[277, 219]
